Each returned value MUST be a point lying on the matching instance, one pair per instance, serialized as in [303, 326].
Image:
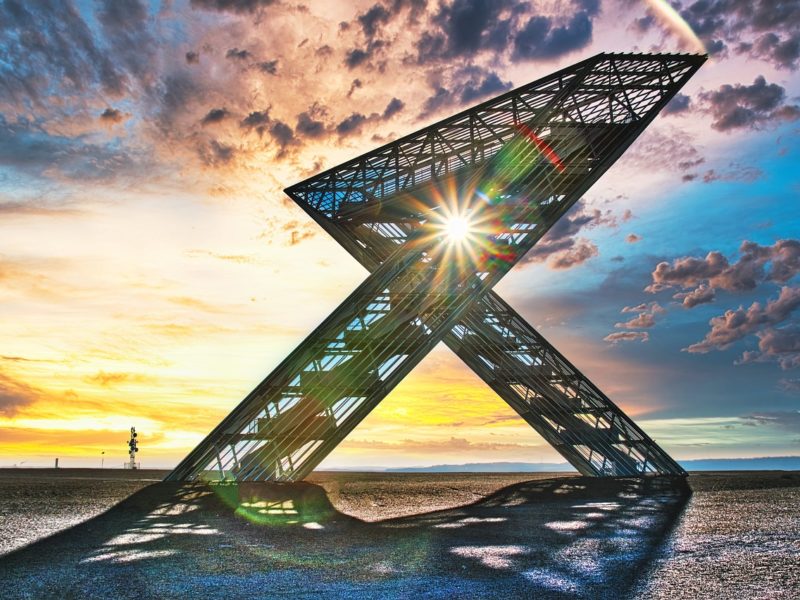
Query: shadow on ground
[561, 537]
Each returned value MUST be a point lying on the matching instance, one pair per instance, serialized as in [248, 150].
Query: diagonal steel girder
[516, 164]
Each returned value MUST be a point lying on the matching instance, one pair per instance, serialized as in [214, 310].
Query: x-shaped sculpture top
[505, 171]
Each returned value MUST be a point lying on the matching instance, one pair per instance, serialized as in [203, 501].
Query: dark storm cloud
[541, 37]
[269, 67]
[748, 106]
[678, 104]
[395, 106]
[782, 260]
[232, 6]
[215, 115]
[15, 394]
[736, 324]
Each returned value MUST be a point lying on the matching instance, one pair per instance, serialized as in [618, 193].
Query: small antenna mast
[133, 447]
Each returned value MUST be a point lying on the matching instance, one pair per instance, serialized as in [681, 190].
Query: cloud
[490, 85]
[669, 148]
[782, 52]
[788, 420]
[678, 104]
[15, 394]
[627, 336]
[54, 52]
[541, 37]
[282, 134]
[351, 124]
[358, 56]
[703, 294]
[256, 121]
[215, 153]
[126, 28]
[789, 385]
[270, 67]
[432, 446]
[376, 16]
[29, 149]
[645, 317]
[308, 126]
[560, 247]
[781, 345]
[579, 253]
[748, 106]
[714, 271]
[236, 54]
[395, 106]
[215, 115]
[111, 379]
[763, 29]
[112, 116]
[736, 324]
[232, 6]
[462, 28]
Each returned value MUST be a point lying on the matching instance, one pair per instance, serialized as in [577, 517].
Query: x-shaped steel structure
[509, 168]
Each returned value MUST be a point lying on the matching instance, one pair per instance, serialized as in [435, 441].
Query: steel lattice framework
[514, 165]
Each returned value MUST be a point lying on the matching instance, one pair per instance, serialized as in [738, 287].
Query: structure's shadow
[561, 537]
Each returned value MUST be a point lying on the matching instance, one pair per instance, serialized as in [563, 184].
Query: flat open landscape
[76, 533]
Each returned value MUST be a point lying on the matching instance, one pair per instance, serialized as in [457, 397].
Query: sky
[152, 271]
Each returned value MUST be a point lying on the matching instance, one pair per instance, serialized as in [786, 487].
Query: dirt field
[375, 535]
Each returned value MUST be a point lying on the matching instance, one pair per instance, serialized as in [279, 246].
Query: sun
[456, 228]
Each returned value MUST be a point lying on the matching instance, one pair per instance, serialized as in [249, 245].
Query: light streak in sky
[670, 18]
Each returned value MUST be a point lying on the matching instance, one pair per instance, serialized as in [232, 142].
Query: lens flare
[457, 228]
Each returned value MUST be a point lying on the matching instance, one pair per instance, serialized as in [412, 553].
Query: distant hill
[494, 467]
[768, 463]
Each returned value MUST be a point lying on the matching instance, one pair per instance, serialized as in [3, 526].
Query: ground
[377, 535]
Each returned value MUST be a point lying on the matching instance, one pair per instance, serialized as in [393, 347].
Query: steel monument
[438, 217]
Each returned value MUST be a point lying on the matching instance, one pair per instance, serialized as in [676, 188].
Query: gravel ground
[359, 535]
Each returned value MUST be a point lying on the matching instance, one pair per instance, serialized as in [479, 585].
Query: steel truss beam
[517, 163]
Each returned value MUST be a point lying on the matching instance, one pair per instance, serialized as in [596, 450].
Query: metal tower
[510, 167]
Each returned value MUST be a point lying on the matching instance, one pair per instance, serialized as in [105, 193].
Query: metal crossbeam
[514, 165]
